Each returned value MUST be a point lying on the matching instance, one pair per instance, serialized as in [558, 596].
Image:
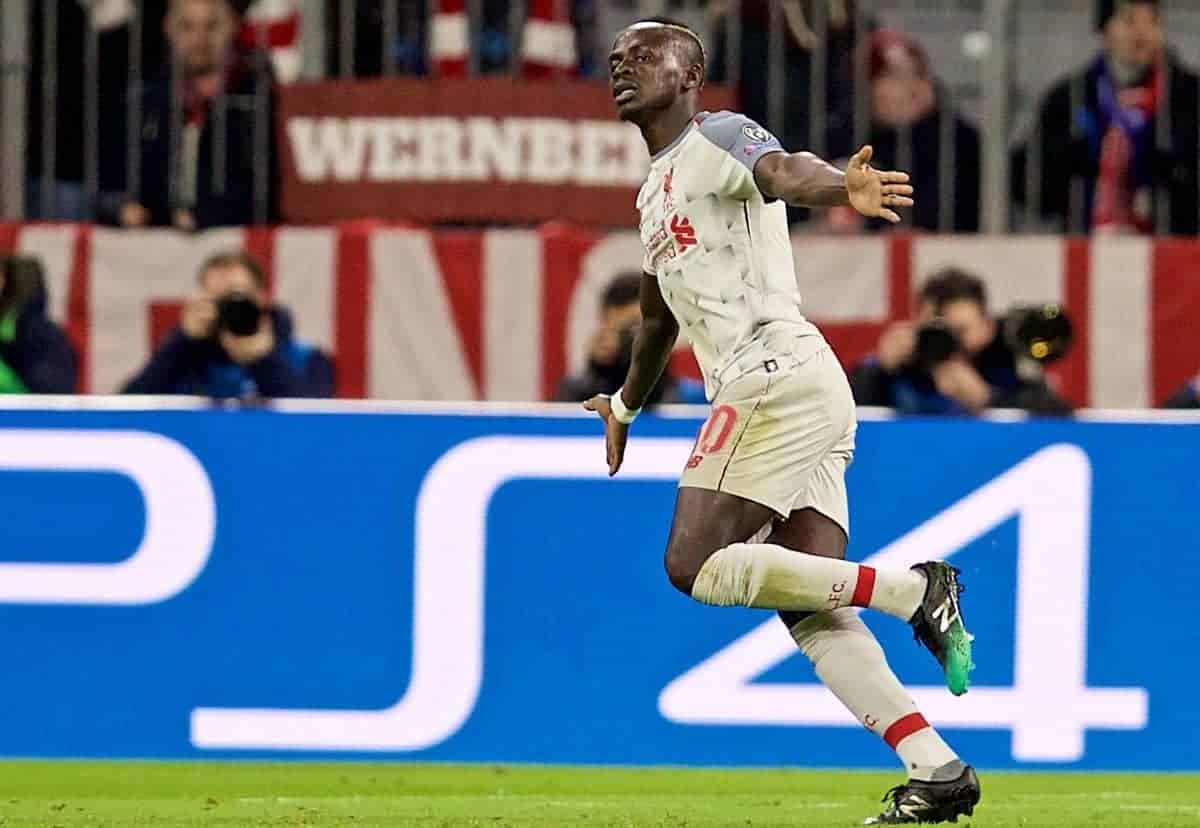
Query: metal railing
[802, 67]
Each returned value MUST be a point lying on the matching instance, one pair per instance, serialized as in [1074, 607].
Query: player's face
[201, 34]
[1133, 36]
[645, 73]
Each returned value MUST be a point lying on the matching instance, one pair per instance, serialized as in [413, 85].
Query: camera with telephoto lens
[238, 314]
[936, 343]
[1039, 333]
[1036, 334]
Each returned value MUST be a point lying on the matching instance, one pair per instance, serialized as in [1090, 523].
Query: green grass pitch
[130, 794]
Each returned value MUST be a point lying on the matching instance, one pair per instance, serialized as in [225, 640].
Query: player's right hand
[616, 433]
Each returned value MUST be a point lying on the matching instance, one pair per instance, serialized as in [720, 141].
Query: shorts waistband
[769, 365]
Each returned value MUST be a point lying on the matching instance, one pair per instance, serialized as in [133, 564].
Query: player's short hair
[952, 284]
[234, 258]
[683, 35]
[625, 289]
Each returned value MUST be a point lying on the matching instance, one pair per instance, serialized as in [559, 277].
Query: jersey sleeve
[742, 143]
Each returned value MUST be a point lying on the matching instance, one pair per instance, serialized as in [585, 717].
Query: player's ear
[693, 77]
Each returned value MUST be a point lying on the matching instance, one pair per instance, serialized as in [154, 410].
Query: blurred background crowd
[1073, 117]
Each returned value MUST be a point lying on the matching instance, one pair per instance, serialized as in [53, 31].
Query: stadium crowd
[205, 152]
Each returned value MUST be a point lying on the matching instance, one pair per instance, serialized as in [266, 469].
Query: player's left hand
[616, 433]
[875, 193]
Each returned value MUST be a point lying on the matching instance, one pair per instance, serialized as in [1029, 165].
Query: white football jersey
[721, 253]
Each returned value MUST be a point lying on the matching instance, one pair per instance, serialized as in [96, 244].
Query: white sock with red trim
[850, 662]
[774, 577]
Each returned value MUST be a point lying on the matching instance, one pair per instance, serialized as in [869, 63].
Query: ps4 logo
[1048, 708]
[180, 517]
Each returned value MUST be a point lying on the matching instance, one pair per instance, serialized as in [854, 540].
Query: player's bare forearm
[652, 346]
[801, 179]
[651, 351]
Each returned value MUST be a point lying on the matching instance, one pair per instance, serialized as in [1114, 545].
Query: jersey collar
[679, 138]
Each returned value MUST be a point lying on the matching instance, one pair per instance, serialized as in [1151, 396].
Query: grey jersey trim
[678, 140]
[739, 136]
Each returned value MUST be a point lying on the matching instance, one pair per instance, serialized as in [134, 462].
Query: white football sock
[850, 662]
[773, 577]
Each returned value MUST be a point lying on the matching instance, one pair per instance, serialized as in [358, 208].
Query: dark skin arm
[804, 180]
[651, 350]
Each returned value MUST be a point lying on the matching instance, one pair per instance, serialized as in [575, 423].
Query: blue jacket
[189, 366]
[912, 391]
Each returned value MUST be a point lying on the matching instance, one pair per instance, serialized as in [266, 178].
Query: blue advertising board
[206, 583]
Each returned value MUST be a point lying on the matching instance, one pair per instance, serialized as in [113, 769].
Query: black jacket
[1070, 150]
[31, 345]
[926, 167]
[70, 81]
[247, 111]
[188, 366]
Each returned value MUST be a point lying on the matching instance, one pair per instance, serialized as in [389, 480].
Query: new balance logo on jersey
[685, 234]
[945, 614]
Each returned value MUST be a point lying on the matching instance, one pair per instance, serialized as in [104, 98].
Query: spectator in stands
[1186, 397]
[207, 153]
[798, 17]
[611, 350]
[952, 360]
[233, 343]
[1125, 128]
[60, 194]
[908, 108]
[35, 355]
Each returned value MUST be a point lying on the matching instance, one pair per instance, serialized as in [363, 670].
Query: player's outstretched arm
[651, 350]
[804, 180]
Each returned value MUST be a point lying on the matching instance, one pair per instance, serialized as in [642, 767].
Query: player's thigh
[705, 521]
[810, 532]
[820, 523]
[802, 418]
[825, 490]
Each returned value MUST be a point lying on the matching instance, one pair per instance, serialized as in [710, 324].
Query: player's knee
[682, 567]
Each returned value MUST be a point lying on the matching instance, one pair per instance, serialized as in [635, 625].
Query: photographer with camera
[611, 350]
[232, 343]
[957, 359]
[35, 355]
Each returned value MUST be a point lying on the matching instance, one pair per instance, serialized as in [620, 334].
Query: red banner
[410, 313]
[485, 149]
